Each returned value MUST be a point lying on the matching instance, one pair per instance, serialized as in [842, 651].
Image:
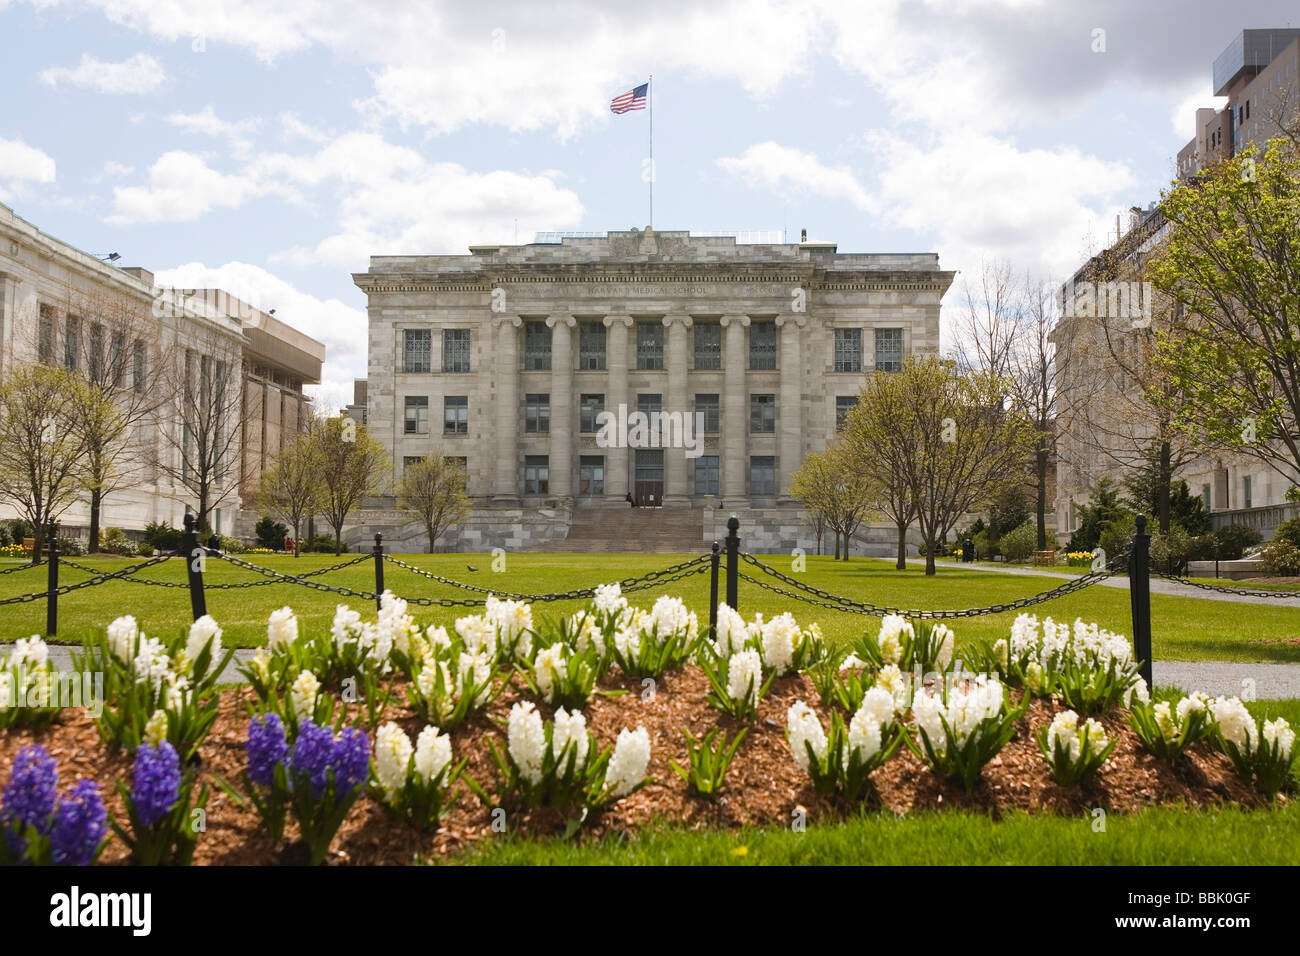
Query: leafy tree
[42, 453]
[833, 485]
[950, 436]
[1232, 264]
[270, 533]
[353, 465]
[1104, 510]
[1186, 511]
[434, 488]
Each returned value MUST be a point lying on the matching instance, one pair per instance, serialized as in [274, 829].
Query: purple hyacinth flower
[33, 787]
[312, 752]
[79, 825]
[351, 760]
[267, 747]
[156, 782]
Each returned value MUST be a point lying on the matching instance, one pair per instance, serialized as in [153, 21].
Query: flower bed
[977, 742]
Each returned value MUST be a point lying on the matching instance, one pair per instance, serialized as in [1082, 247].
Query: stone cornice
[726, 320]
[500, 320]
[685, 320]
[566, 320]
[626, 320]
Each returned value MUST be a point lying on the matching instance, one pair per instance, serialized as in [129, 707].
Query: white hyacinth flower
[779, 636]
[670, 615]
[29, 651]
[864, 735]
[303, 695]
[438, 638]
[282, 628]
[570, 731]
[1279, 733]
[346, 627]
[155, 730]
[122, 635]
[890, 637]
[731, 633]
[548, 663]
[151, 664]
[745, 677]
[803, 728]
[478, 633]
[526, 740]
[609, 600]
[201, 631]
[392, 757]
[628, 763]
[946, 640]
[880, 704]
[1235, 723]
[432, 753]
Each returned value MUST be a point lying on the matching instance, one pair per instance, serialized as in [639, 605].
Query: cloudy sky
[270, 146]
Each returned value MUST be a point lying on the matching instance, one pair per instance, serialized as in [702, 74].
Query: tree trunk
[201, 519]
[929, 558]
[1041, 468]
[433, 536]
[38, 542]
[901, 563]
[297, 541]
[96, 500]
[1162, 486]
[837, 544]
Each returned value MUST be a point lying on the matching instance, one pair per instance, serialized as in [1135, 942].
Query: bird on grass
[471, 567]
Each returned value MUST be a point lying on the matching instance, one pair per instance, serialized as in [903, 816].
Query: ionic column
[789, 414]
[561, 406]
[617, 483]
[735, 412]
[676, 491]
[506, 490]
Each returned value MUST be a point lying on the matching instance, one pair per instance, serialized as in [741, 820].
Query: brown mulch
[763, 785]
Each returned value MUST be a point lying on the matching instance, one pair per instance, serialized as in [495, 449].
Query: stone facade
[531, 340]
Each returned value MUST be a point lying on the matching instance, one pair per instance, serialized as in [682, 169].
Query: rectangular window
[455, 350]
[762, 414]
[537, 346]
[762, 345]
[410, 461]
[650, 345]
[95, 353]
[649, 404]
[71, 342]
[589, 406]
[708, 404]
[1245, 488]
[650, 465]
[843, 405]
[1205, 496]
[889, 350]
[537, 475]
[116, 359]
[537, 414]
[591, 475]
[417, 349]
[460, 461]
[706, 475]
[591, 346]
[417, 415]
[708, 346]
[455, 415]
[848, 350]
[45, 345]
[137, 366]
[762, 475]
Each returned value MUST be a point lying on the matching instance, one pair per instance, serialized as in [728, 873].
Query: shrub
[985, 549]
[1280, 558]
[1116, 536]
[116, 542]
[323, 544]
[1171, 550]
[232, 545]
[162, 536]
[1018, 544]
[73, 547]
[1289, 531]
[1235, 539]
[270, 533]
[144, 550]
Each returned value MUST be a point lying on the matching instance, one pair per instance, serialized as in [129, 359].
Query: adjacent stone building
[529, 363]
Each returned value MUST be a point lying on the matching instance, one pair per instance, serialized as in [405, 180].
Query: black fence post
[1139, 586]
[194, 558]
[733, 562]
[379, 568]
[52, 585]
[713, 591]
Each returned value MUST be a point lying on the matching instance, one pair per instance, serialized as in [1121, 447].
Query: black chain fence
[1222, 589]
[838, 602]
[27, 566]
[99, 578]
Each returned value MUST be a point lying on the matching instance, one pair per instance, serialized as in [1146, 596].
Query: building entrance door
[649, 491]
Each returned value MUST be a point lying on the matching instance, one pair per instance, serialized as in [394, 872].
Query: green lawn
[1183, 628]
[1163, 837]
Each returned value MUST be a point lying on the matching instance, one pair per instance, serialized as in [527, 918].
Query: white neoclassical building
[529, 364]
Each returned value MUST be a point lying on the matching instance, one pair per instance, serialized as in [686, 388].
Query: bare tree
[832, 486]
[42, 456]
[200, 419]
[353, 464]
[434, 488]
[987, 328]
[107, 337]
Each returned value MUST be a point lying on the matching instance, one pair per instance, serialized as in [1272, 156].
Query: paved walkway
[1217, 678]
[1120, 581]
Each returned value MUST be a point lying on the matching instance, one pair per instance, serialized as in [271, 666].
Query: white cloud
[1183, 116]
[786, 169]
[207, 123]
[340, 326]
[139, 74]
[21, 164]
[182, 187]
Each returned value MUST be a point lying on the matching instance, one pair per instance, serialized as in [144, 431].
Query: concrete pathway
[1158, 585]
[1217, 678]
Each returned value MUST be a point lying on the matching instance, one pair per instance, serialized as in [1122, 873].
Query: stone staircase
[629, 530]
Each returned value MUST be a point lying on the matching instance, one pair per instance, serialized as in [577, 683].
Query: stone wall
[781, 530]
[510, 528]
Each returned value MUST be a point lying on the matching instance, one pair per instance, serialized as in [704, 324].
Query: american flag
[633, 99]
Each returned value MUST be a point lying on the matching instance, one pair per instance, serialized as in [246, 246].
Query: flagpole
[650, 95]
